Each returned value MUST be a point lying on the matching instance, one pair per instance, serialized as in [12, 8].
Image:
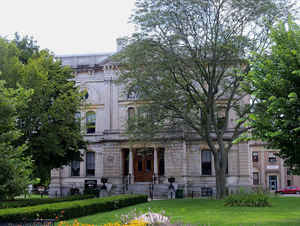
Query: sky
[68, 26]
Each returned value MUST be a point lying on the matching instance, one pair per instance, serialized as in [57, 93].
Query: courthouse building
[140, 167]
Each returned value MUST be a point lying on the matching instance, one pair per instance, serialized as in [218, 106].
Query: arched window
[90, 122]
[90, 163]
[131, 113]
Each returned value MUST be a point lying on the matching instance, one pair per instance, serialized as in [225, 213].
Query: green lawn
[284, 211]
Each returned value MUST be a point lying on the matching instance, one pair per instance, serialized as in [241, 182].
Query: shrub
[74, 191]
[256, 199]
[68, 210]
[92, 191]
[33, 202]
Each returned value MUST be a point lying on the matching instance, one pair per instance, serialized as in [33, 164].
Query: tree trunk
[220, 160]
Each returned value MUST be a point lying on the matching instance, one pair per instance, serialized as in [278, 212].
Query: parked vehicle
[289, 190]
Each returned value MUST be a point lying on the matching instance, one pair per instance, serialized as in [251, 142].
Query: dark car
[289, 190]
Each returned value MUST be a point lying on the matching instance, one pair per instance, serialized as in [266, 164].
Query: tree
[15, 168]
[275, 83]
[47, 122]
[188, 62]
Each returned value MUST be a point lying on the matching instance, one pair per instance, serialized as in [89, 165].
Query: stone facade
[181, 156]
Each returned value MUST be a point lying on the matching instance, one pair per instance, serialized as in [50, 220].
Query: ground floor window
[90, 163]
[206, 162]
[161, 161]
[255, 178]
[75, 168]
[125, 153]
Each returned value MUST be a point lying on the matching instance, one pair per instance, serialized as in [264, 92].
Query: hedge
[69, 210]
[32, 202]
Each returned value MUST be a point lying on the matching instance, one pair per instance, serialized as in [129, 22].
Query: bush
[92, 191]
[68, 210]
[256, 199]
[33, 202]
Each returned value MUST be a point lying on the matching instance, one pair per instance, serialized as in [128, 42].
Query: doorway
[143, 162]
[273, 183]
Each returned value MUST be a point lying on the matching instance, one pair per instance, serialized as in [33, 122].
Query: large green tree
[187, 61]
[47, 122]
[275, 83]
[15, 166]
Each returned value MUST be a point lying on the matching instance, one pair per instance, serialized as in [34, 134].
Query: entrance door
[143, 165]
[273, 183]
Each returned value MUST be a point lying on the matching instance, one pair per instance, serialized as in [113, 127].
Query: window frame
[206, 172]
[255, 156]
[90, 166]
[90, 122]
[255, 180]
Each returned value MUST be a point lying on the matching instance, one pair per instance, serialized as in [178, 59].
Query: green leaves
[46, 119]
[275, 82]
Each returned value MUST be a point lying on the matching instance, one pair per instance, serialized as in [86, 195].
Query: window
[132, 93]
[125, 162]
[90, 164]
[272, 157]
[131, 113]
[289, 182]
[206, 162]
[90, 122]
[75, 168]
[255, 156]
[255, 178]
[161, 162]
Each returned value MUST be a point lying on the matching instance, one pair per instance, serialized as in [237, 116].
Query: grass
[284, 211]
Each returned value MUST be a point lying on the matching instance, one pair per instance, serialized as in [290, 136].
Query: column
[131, 165]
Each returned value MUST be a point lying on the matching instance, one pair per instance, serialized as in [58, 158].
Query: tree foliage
[275, 83]
[188, 62]
[47, 122]
[15, 168]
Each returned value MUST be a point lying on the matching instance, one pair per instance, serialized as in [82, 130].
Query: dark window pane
[255, 156]
[75, 168]
[90, 163]
[140, 165]
[126, 162]
[206, 162]
[161, 162]
[148, 165]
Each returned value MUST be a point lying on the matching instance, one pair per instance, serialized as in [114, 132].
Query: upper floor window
[90, 163]
[90, 122]
[206, 162]
[132, 93]
[75, 168]
[255, 156]
[272, 157]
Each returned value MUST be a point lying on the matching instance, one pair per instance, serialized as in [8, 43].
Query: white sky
[68, 26]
